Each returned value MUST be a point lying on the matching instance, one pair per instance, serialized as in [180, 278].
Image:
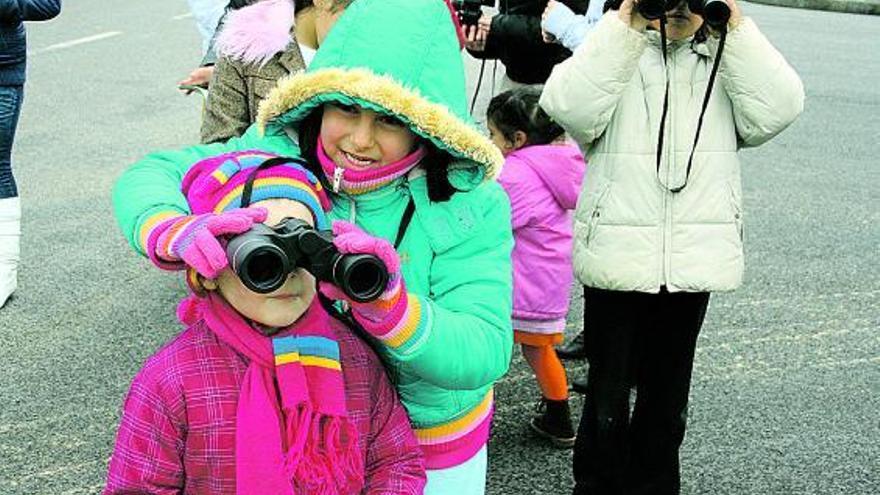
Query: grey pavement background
[786, 388]
[850, 6]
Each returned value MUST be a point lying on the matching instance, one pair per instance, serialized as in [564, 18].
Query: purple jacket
[542, 183]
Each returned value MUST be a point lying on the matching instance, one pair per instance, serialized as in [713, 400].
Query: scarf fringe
[325, 459]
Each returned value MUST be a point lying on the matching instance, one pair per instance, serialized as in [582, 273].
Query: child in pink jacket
[264, 393]
[542, 176]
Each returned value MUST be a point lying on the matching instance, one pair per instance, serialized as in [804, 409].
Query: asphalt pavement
[786, 388]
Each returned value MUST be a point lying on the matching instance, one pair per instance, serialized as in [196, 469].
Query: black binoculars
[264, 256]
[715, 13]
[469, 11]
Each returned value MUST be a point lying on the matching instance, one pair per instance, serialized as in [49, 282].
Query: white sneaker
[10, 239]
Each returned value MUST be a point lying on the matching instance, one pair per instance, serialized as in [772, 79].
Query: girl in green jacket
[380, 116]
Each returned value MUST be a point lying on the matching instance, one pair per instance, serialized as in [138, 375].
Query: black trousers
[646, 342]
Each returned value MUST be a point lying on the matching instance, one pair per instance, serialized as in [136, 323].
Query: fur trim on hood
[256, 33]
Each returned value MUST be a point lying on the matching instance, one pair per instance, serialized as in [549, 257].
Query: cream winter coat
[631, 232]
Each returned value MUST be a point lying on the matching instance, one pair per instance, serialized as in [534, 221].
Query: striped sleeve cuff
[150, 231]
[406, 334]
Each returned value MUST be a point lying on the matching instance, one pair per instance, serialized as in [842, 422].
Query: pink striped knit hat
[217, 184]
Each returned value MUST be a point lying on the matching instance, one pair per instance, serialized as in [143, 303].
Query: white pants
[465, 479]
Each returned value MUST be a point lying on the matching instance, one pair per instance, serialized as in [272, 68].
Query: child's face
[356, 138]
[277, 309]
[502, 143]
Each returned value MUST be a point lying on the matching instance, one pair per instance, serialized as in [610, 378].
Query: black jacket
[13, 50]
[515, 39]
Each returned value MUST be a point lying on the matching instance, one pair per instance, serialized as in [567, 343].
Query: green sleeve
[467, 338]
[149, 191]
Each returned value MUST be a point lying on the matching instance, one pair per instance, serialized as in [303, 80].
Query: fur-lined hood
[399, 57]
[256, 33]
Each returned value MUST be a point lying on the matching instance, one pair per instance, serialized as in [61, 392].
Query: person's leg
[554, 421]
[468, 478]
[10, 207]
[601, 448]
[10, 108]
[548, 371]
[663, 384]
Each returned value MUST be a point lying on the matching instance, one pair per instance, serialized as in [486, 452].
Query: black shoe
[575, 349]
[579, 385]
[553, 423]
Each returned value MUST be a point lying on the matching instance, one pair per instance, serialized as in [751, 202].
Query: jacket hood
[560, 166]
[398, 57]
[254, 34]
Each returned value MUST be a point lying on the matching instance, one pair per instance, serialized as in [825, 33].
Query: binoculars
[264, 256]
[470, 11]
[715, 13]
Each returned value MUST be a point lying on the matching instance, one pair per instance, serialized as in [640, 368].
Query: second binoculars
[715, 13]
[264, 256]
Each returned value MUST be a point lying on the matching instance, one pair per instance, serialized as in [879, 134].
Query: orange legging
[548, 369]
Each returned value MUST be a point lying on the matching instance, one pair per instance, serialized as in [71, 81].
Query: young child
[381, 116]
[262, 393]
[658, 226]
[542, 176]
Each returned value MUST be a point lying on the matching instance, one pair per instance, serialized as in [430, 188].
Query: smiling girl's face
[356, 138]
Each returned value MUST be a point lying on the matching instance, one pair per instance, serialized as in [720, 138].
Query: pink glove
[386, 311]
[194, 240]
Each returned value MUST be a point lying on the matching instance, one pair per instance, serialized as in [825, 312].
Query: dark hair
[518, 110]
[435, 162]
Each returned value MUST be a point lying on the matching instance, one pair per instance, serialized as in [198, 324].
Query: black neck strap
[404, 222]
[709, 86]
[271, 162]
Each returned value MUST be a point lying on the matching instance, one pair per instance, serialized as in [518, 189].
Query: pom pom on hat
[217, 184]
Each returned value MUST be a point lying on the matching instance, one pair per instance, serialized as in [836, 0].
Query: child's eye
[349, 109]
[391, 121]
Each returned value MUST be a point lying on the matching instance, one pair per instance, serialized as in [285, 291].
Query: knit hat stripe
[230, 198]
[216, 184]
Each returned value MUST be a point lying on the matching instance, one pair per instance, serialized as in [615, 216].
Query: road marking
[80, 41]
[182, 16]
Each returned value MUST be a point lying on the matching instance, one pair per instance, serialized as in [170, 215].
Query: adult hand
[475, 39]
[735, 15]
[485, 25]
[198, 77]
[631, 16]
[194, 240]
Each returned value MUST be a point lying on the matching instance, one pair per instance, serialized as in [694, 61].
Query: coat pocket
[736, 206]
[594, 213]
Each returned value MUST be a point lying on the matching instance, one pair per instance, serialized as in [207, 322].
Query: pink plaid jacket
[177, 432]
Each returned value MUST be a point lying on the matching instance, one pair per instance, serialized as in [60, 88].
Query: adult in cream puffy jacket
[653, 239]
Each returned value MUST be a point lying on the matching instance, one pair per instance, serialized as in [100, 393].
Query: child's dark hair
[435, 162]
[518, 110]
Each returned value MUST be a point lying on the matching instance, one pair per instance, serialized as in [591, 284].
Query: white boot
[10, 238]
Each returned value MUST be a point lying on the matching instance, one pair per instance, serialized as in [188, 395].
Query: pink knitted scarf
[292, 426]
[356, 182]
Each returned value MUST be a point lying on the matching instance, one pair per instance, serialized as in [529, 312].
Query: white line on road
[80, 41]
[182, 16]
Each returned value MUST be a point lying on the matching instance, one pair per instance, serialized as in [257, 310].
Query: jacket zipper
[670, 165]
[337, 178]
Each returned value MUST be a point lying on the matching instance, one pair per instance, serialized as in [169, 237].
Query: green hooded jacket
[399, 57]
